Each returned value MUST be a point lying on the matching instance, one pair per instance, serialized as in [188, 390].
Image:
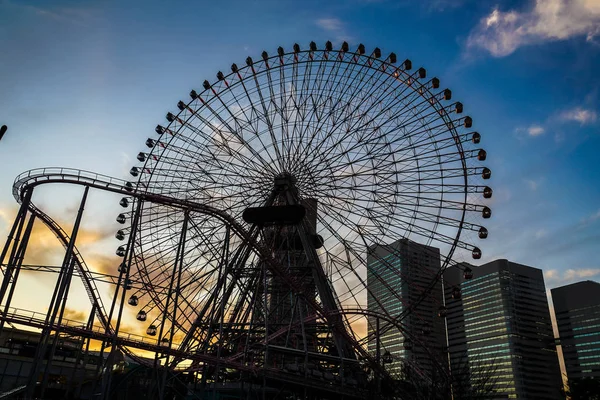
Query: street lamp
[3, 131]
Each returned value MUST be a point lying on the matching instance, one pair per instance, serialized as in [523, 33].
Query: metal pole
[177, 268]
[377, 355]
[62, 285]
[14, 235]
[129, 256]
[223, 276]
[16, 268]
[81, 354]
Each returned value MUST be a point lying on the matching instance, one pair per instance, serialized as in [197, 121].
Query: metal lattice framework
[377, 148]
[340, 155]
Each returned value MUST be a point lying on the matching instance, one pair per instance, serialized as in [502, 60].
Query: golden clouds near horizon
[44, 248]
[34, 288]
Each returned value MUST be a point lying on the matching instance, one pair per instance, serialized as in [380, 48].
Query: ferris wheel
[319, 155]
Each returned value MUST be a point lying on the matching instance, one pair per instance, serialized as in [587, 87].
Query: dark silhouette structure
[245, 231]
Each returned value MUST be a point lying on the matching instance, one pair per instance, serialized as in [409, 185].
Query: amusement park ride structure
[247, 229]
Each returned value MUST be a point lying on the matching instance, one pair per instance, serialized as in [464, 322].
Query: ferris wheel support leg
[235, 264]
[326, 295]
[175, 276]
[13, 269]
[56, 308]
[123, 279]
[223, 274]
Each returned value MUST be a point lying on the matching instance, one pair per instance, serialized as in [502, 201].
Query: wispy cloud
[535, 130]
[502, 32]
[555, 277]
[578, 114]
[584, 116]
[532, 130]
[330, 24]
[335, 27]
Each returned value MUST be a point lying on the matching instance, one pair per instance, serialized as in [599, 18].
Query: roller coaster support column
[13, 239]
[82, 356]
[56, 309]
[13, 268]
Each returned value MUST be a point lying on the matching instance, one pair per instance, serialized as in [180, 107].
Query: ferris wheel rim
[421, 89]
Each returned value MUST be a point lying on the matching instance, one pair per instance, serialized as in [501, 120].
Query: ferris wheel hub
[284, 181]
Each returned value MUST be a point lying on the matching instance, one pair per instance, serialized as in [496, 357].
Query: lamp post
[3, 131]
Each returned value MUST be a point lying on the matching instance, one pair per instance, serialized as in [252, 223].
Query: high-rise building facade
[577, 310]
[401, 281]
[499, 331]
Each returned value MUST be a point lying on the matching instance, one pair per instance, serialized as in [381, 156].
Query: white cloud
[581, 273]
[554, 277]
[540, 233]
[335, 27]
[330, 24]
[535, 130]
[502, 32]
[581, 115]
[532, 130]
[550, 274]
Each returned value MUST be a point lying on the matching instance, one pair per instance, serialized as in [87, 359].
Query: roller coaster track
[41, 176]
[36, 177]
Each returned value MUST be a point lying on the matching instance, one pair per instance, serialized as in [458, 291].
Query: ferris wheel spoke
[315, 93]
[349, 115]
[223, 141]
[266, 114]
[357, 144]
[256, 117]
[220, 164]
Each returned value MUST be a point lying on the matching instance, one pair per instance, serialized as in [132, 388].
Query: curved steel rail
[36, 177]
[20, 185]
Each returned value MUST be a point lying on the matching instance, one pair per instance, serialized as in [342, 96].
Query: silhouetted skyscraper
[398, 278]
[500, 328]
[577, 310]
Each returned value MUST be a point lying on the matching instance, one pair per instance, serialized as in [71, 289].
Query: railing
[46, 174]
[37, 319]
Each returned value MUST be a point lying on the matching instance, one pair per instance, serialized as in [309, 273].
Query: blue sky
[83, 83]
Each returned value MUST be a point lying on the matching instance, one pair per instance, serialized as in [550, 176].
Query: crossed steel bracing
[54, 323]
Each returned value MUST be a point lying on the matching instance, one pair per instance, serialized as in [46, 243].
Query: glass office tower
[500, 332]
[577, 310]
[399, 278]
